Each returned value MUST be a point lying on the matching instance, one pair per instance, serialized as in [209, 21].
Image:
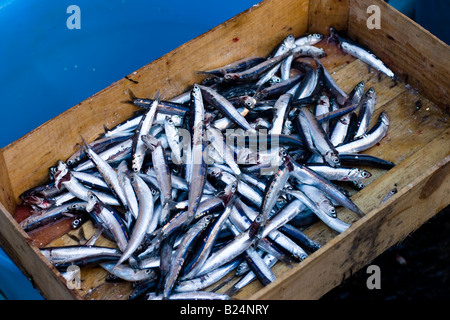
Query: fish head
[92, 203]
[332, 159]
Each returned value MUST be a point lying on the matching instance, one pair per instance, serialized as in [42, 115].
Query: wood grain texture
[172, 74]
[324, 14]
[417, 142]
[6, 191]
[371, 235]
[414, 54]
[45, 277]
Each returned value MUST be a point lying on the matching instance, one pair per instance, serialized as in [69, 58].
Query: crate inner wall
[412, 130]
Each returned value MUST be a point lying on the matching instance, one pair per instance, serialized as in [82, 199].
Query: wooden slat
[172, 73]
[413, 53]
[28, 159]
[6, 191]
[371, 235]
[411, 135]
[417, 142]
[28, 258]
[324, 14]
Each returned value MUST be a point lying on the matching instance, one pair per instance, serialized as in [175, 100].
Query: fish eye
[76, 223]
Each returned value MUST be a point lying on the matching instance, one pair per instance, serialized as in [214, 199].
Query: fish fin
[131, 95]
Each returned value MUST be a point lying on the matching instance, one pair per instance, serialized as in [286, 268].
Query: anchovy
[281, 112]
[128, 273]
[192, 295]
[255, 72]
[162, 171]
[139, 149]
[362, 54]
[202, 282]
[180, 255]
[268, 259]
[272, 192]
[368, 140]
[173, 139]
[334, 223]
[51, 214]
[309, 40]
[332, 86]
[308, 176]
[225, 107]
[108, 173]
[283, 87]
[145, 202]
[365, 160]
[209, 240]
[79, 255]
[317, 139]
[259, 267]
[320, 199]
[109, 219]
[301, 238]
[341, 173]
[366, 109]
[64, 177]
[164, 107]
[216, 139]
[286, 45]
[197, 169]
[123, 174]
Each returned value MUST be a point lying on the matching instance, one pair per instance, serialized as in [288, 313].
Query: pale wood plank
[172, 73]
[413, 53]
[420, 139]
[324, 14]
[371, 235]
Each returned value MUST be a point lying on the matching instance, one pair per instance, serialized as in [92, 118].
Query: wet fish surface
[222, 179]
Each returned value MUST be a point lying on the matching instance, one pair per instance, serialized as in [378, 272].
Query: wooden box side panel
[253, 32]
[25, 162]
[414, 54]
[6, 191]
[425, 193]
[32, 263]
[326, 13]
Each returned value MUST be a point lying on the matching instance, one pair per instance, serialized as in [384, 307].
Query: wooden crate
[417, 141]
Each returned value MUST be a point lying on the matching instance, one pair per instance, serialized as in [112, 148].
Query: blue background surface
[46, 68]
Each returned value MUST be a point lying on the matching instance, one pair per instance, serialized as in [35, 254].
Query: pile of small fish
[221, 178]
